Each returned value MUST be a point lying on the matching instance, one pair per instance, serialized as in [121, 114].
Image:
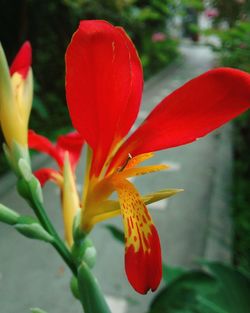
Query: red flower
[22, 62]
[66, 152]
[71, 143]
[104, 83]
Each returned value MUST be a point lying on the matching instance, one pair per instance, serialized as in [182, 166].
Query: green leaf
[116, 232]
[223, 290]
[37, 310]
[233, 295]
[170, 273]
[185, 287]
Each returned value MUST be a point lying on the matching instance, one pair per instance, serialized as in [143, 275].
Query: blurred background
[159, 29]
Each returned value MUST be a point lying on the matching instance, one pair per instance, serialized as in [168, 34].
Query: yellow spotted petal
[133, 161]
[160, 195]
[143, 252]
[138, 171]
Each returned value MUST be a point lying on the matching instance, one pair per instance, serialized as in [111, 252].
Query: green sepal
[30, 190]
[90, 293]
[14, 155]
[25, 169]
[29, 227]
[7, 215]
[6, 93]
[78, 235]
[36, 190]
[84, 251]
[23, 188]
[74, 287]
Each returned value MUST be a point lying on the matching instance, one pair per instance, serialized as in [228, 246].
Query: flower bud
[70, 200]
[7, 215]
[16, 94]
[30, 228]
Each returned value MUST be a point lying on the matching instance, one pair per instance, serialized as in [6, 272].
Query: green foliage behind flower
[235, 52]
[49, 25]
[158, 54]
[235, 46]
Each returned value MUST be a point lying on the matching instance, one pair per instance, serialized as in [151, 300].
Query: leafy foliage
[221, 290]
[241, 196]
[235, 46]
[230, 11]
[116, 233]
[235, 52]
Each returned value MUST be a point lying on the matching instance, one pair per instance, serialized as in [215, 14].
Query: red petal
[45, 174]
[192, 111]
[22, 61]
[42, 144]
[131, 111]
[143, 251]
[99, 61]
[144, 270]
[73, 143]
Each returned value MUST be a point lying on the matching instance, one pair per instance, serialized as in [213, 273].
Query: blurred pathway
[194, 224]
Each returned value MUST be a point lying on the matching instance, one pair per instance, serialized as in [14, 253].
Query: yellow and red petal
[45, 174]
[102, 67]
[71, 142]
[22, 61]
[192, 111]
[143, 263]
[143, 170]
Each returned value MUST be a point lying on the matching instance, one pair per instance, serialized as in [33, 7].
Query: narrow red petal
[192, 111]
[45, 174]
[22, 61]
[73, 143]
[144, 269]
[42, 144]
[98, 85]
[143, 263]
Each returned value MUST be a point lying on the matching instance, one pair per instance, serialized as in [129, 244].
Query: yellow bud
[16, 94]
[70, 200]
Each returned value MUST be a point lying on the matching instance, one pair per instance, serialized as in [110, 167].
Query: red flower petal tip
[22, 61]
[144, 268]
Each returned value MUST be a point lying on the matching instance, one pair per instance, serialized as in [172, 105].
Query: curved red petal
[42, 144]
[131, 110]
[73, 143]
[143, 263]
[22, 61]
[144, 269]
[192, 111]
[45, 174]
[98, 85]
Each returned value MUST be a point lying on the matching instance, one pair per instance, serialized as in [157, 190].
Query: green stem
[57, 243]
[90, 293]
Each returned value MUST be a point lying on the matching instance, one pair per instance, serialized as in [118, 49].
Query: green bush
[235, 52]
[235, 46]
